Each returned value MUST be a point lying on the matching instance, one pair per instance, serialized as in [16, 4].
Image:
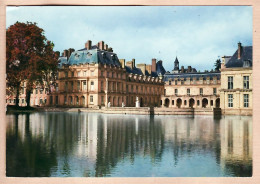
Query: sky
[197, 35]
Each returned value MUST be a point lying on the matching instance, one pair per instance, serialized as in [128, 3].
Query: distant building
[236, 82]
[187, 88]
[95, 77]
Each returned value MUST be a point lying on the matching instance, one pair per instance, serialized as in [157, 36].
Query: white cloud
[198, 35]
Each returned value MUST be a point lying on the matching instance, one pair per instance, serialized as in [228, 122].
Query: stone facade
[101, 79]
[236, 82]
[191, 90]
[94, 77]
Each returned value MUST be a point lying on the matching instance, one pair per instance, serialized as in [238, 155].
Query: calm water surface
[102, 145]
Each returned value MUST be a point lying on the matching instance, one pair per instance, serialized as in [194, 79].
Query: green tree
[29, 57]
[217, 65]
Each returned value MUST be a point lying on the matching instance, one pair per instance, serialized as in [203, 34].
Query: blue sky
[197, 35]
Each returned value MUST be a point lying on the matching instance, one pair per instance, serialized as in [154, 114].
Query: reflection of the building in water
[93, 144]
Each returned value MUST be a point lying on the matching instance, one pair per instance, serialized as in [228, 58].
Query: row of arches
[191, 103]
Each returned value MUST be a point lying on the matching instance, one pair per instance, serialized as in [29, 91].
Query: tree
[29, 58]
[217, 65]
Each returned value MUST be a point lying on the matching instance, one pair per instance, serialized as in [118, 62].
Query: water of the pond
[104, 145]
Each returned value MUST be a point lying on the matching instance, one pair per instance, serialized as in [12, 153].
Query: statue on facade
[137, 103]
[123, 104]
[108, 104]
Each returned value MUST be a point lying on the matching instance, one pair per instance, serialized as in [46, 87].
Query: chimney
[148, 68]
[122, 62]
[182, 69]
[142, 67]
[88, 45]
[239, 50]
[101, 45]
[105, 47]
[153, 65]
[133, 63]
[65, 53]
[70, 51]
[189, 69]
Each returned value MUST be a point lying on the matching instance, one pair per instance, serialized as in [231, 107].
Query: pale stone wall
[194, 99]
[238, 91]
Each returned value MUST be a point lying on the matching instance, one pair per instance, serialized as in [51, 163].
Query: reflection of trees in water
[122, 140]
[110, 139]
[31, 157]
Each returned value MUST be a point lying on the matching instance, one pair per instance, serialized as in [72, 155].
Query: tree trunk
[28, 96]
[17, 95]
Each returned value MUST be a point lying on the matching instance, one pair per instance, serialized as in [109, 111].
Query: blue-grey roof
[84, 56]
[159, 68]
[62, 60]
[246, 56]
[135, 70]
[178, 76]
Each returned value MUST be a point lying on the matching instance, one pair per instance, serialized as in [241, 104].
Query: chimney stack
[239, 50]
[122, 62]
[101, 45]
[133, 63]
[105, 47]
[88, 45]
[189, 69]
[153, 65]
[142, 67]
[70, 51]
[182, 69]
[65, 53]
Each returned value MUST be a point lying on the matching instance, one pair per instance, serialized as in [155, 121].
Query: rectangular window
[92, 86]
[71, 84]
[78, 86]
[170, 82]
[41, 90]
[66, 86]
[78, 74]
[102, 73]
[56, 100]
[41, 102]
[214, 91]
[65, 99]
[107, 74]
[92, 73]
[46, 90]
[188, 91]
[246, 100]
[22, 101]
[102, 85]
[36, 91]
[72, 74]
[230, 82]
[102, 100]
[85, 73]
[126, 88]
[84, 86]
[182, 82]
[230, 100]
[176, 82]
[201, 91]
[91, 99]
[66, 74]
[176, 91]
[246, 82]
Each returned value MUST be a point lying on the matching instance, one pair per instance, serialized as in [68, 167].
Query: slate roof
[62, 60]
[178, 76]
[84, 56]
[246, 55]
[159, 68]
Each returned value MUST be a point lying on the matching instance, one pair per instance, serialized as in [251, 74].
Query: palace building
[187, 88]
[236, 82]
[95, 77]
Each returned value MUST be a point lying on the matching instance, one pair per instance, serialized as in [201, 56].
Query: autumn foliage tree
[29, 58]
